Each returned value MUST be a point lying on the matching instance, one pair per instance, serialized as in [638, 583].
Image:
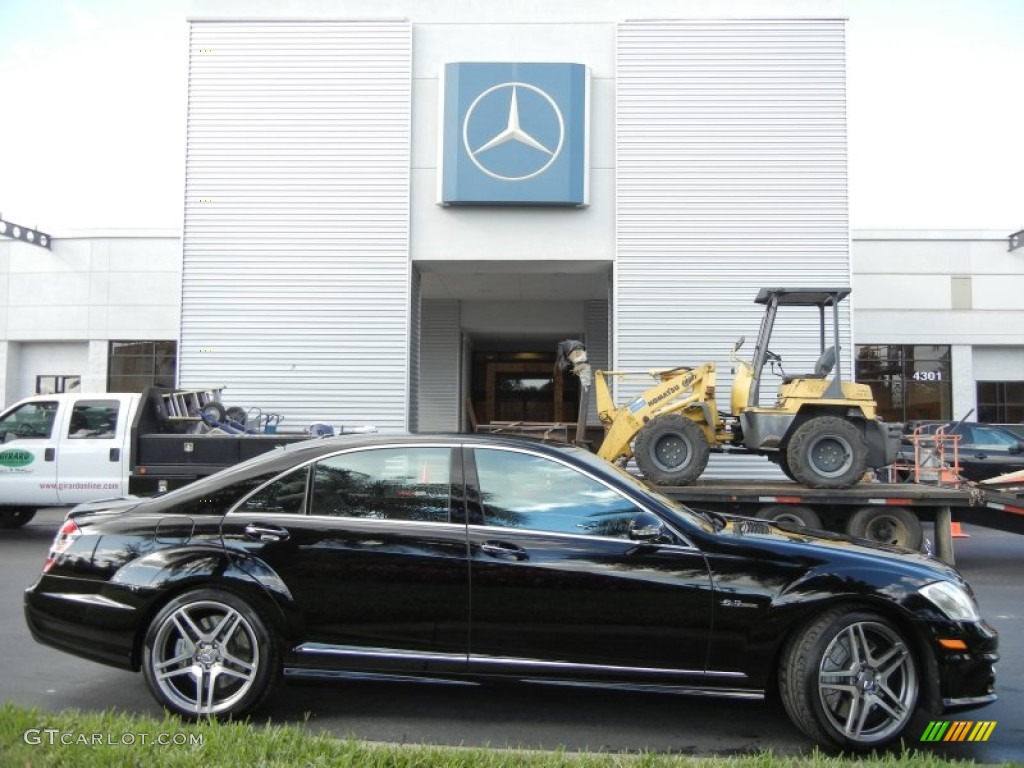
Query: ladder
[187, 404]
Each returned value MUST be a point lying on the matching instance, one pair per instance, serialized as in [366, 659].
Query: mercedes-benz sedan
[494, 558]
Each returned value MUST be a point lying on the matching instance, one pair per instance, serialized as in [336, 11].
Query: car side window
[521, 490]
[94, 420]
[32, 420]
[407, 483]
[284, 496]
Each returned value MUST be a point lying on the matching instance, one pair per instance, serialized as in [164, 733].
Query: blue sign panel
[515, 134]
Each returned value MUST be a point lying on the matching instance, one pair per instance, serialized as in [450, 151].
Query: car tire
[849, 678]
[887, 525]
[671, 450]
[15, 517]
[209, 653]
[795, 514]
[827, 452]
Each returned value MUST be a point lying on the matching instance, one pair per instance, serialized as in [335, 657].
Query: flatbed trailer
[889, 512]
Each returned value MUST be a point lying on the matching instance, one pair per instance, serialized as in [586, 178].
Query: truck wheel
[849, 678]
[208, 653]
[15, 517]
[827, 452]
[671, 450]
[796, 514]
[887, 525]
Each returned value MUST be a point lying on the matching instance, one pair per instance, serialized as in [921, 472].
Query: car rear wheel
[850, 679]
[208, 653]
[671, 450]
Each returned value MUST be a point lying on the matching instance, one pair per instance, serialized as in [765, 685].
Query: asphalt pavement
[515, 716]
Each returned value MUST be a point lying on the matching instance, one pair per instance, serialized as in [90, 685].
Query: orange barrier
[958, 532]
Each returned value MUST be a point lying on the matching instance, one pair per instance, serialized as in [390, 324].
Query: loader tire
[671, 450]
[827, 452]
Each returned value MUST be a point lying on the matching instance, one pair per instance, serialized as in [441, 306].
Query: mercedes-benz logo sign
[536, 156]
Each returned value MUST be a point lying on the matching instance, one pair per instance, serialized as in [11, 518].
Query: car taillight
[64, 538]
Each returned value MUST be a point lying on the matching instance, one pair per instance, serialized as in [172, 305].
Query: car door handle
[266, 532]
[503, 550]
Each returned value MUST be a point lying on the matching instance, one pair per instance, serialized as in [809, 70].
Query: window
[30, 420]
[519, 490]
[54, 385]
[909, 382]
[386, 483]
[1001, 402]
[94, 419]
[285, 496]
[134, 365]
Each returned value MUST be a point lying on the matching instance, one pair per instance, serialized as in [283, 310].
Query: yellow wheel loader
[822, 431]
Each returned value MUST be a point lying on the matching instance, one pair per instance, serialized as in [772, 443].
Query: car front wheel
[850, 679]
[208, 653]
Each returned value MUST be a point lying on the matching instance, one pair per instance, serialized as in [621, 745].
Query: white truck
[61, 450]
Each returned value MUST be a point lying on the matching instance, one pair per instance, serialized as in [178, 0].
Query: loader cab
[827, 302]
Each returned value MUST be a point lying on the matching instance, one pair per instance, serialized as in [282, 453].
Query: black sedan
[465, 557]
[983, 451]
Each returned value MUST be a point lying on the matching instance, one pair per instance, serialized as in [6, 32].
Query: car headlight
[953, 600]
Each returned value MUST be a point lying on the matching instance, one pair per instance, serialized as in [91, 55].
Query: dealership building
[395, 210]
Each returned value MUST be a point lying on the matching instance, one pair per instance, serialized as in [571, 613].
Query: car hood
[826, 544]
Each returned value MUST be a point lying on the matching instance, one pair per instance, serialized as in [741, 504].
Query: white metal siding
[295, 287]
[440, 344]
[731, 174]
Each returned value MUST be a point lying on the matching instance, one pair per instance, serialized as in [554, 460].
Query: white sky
[92, 113]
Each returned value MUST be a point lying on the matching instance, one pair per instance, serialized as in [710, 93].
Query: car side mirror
[648, 528]
[1017, 448]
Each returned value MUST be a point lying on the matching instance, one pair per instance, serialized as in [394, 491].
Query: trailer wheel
[887, 525]
[15, 517]
[827, 452]
[796, 514]
[671, 450]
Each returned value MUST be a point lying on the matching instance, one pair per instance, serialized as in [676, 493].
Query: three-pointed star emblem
[513, 132]
[543, 112]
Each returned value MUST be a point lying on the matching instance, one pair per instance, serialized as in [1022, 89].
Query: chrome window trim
[587, 536]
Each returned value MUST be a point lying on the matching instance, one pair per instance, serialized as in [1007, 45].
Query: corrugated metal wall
[296, 277]
[731, 174]
[439, 398]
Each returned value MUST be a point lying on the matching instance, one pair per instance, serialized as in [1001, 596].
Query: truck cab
[64, 449]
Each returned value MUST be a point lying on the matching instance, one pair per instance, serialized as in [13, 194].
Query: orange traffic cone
[957, 531]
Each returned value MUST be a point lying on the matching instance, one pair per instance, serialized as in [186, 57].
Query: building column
[94, 377]
[965, 390]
